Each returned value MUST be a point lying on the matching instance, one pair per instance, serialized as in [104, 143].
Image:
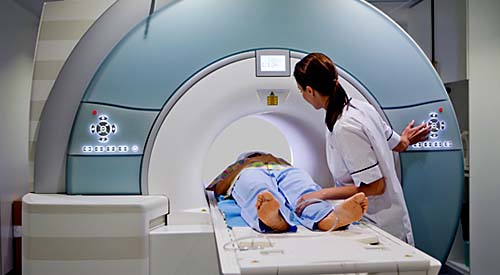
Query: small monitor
[273, 63]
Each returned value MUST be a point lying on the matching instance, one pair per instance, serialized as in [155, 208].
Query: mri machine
[127, 128]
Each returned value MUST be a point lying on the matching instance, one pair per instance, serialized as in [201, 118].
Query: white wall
[484, 96]
[397, 11]
[18, 29]
[451, 41]
[450, 32]
[420, 27]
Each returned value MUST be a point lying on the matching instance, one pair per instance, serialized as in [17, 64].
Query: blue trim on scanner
[121, 106]
[415, 105]
[95, 175]
[433, 185]
[169, 61]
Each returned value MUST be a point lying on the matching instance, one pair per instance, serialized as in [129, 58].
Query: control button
[135, 148]
[427, 144]
[417, 145]
[447, 144]
[103, 129]
[437, 144]
[433, 114]
[111, 149]
[99, 149]
[433, 135]
[442, 125]
[123, 148]
[440, 109]
[87, 149]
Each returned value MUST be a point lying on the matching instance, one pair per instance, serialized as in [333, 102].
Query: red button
[440, 109]
[94, 112]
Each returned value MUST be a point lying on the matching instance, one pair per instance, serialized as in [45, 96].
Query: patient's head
[250, 154]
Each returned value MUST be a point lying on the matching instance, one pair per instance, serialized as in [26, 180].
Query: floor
[446, 270]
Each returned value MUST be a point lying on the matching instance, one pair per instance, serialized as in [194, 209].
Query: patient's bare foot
[351, 210]
[268, 212]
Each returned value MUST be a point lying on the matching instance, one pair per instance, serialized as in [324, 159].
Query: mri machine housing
[127, 132]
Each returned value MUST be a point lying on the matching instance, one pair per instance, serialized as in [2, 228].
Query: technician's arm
[343, 192]
[336, 193]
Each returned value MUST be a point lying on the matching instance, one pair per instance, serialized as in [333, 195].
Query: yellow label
[272, 99]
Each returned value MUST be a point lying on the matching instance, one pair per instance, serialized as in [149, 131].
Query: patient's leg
[268, 211]
[351, 210]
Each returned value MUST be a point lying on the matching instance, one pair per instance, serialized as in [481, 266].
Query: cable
[252, 245]
[255, 244]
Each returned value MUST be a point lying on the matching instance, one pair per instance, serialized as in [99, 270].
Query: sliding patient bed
[361, 248]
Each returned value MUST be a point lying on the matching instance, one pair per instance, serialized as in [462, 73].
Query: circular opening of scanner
[201, 113]
[252, 133]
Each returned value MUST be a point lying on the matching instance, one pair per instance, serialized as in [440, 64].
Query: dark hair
[256, 154]
[318, 71]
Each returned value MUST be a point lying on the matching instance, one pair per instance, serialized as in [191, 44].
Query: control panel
[103, 130]
[438, 116]
[437, 126]
[109, 130]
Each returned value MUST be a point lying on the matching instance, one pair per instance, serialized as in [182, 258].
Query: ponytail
[335, 105]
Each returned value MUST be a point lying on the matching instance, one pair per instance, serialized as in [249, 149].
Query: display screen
[273, 63]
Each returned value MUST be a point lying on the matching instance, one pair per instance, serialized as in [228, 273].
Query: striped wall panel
[62, 25]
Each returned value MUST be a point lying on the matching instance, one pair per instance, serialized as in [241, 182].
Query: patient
[267, 189]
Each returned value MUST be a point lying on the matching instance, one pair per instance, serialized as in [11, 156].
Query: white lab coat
[359, 151]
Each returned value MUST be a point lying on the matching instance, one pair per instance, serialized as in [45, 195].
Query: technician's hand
[412, 135]
[306, 200]
[416, 134]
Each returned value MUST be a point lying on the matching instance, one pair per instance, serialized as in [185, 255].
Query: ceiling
[391, 7]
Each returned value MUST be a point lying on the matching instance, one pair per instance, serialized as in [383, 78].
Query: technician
[359, 147]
